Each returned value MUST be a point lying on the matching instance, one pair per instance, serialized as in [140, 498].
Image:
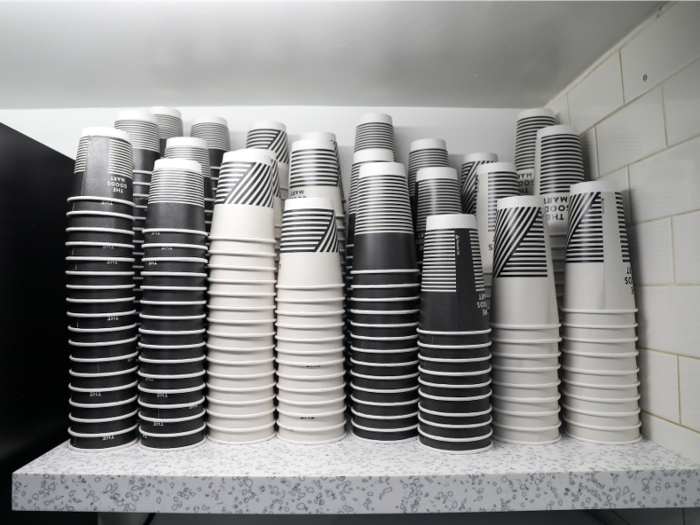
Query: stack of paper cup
[558, 165]
[529, 122]
[172, 321]
[494, 181]
[100, 293]
[310, 362]
[142, 128]
[375, 131]
[469, 165]
[215, 131]
[525, 326]
[272, 136]
[277, 202]
[326, 135]
[169, 124]
[424, 153]
[384, 311]
[240, 360]
[599, 356]
[437, 193]
[192, 148]
[455, 414]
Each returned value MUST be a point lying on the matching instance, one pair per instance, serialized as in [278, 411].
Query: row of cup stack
[600, 374]
[100, 293]
[454, 409]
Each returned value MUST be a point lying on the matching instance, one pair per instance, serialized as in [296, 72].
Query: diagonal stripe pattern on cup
[525, 324]
[375, 131]
[246, 178]
[270, 136]
[100, 293]
[468, 178]
[169, 124]
[529, 122]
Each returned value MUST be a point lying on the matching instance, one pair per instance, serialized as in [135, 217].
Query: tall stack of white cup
[310, 362]
[600, 374]
[558, 165]
[494, 181]
[242, 302]
[468, 178]
[169, 124]
[215, 131]
[529, 122]
[525, 326]
[272, 136]
[277, 204]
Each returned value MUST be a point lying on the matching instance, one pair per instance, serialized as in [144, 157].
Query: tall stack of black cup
[142, 128]
[384, 311]
[169, 124]
[455, 412]
[215, 131]
[172, 321]
[100, 293]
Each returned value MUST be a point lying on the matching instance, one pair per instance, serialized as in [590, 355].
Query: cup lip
[525, 429]
[240, 390]
[501, 326]
[384, 430]
[382, 272]
[109, 231]
[442, 425]
[311, 403]
[117, 300]
[228, 430]
[535, 112]
[528, 400]
[383, 378]
[172, 407]
[170, 332]
[229, 349]
[384, 312]
[525, 356]
[310, 430]
[102, 330]
[373, 403]
[311, 378]
[241, 308]
[449, 334]
[240, 377]
[600, 372]
[309, 314]
[95, 198]
[389, 418]
[102, 343]
[171, 420]
[527, 370]
[391, 351]
[224, 335]
[601, 341]
[175, 259]
[100, 315]
[78, 213]
[171, 347]
[178, 434]
[171, 391]
[102, 244]
[383, 365]
[239, 403]
[252, 240]
[323, 414]
[226, 267]
[305, 353]
[96, 436]
[312, 301]
[214, 280]
[141, 373]
[526, 414]
[229, 253]
[171, 318]
[455, 347]
[526, 341]
[172, 361]
[240, 416]
[71, 417]
[528, 386]
[598, 427]
[235, 322]
[438, 360]
[98, 274]
[103, 360]
[147, 231]
[601, 327]
[240, 363]
[578, 311]
[453, 374]
[103, 405]
[422, 381]
[601, 414]
[383, 326]
[311, 390]
[109, 389]
[600, 355]
[315, 365]
[383, 299]
[320, 340]
[176, 288]
[103, 374]
[455, 414]
[384, 339]
[383, 286]
[174, 303]
[226, 294]
[311, 287]
[604, 399]
[147, 245]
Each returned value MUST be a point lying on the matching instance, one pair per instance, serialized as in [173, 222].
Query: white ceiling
[430, 54]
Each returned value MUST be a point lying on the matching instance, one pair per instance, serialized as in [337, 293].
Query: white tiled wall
[638, 113]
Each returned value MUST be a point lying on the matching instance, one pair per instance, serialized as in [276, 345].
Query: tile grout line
[663, 112]
[622, 77]
[678, 372]
[669, 421]
[666, 352]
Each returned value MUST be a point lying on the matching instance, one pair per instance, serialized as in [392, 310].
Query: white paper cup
[526, 436]
[234, 355]
[311, 408]
[591, 404]
[517, 404]
[598, 317]
[320, 306]
[242, 421]
[310, 345]
[526, 419]
[239, 286]
[311, 382]
[242, 407]
[543, 391]
[244, 326]
[599, 434]
[313, 436]
[310, 357]
[524, 332]
[309, 331]
[236, 368]
[224, 340]
[601, 377]
[592, 361]
[309, 294]
[541, 347]
[309, 421]
[241, 273]
[309, 269]
[525, 361]
[241, 300]
[309, 318]
[597, 391]
[241, 258]
[240, 436]
[238, 395]
[603, 419]
[240, 381]
[237, 313]
[525, 376]
[588, 332]
[317, 395]
[287, 366]
[600, 346]
[240, 220]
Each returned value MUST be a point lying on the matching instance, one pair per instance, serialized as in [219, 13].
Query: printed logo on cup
[100, 180]
[520, 249]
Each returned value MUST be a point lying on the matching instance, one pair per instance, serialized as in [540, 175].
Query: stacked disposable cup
[100, 294]
[437, 193]
[469, 165]
[375, 131]
[600, 382]
[240, 360]
[529, 123]
[424, 153]
[215, 131]
[326, 135]
[192, 148]
[360, 157]
[172, 320]
[558, 165]
[310, 362]
[169, 124]
[272, 136]
[277, 202]
[494, 181]
[525, 326]
[455, 413]
[314, 172]
[384, 310]
[142, 128]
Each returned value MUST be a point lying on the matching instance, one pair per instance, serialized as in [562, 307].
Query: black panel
[34, 184]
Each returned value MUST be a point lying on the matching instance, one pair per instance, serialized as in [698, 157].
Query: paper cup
[241, 421]
[526, 391]
[240, 408]
[601, 377]
[525, 361]
[593, 361]
[592, 404]
[599, 434]
[525, 376]
[310, 381]
[526, 436]
[314, 436]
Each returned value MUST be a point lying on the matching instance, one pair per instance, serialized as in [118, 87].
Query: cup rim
[309, 314]
[78, 213]
[306, 353]
[439, 360]
[109, 389]
[526, 356]
[229, 430]
[603, 341]
[422, 381]
[226, 294]
[528, 400]
[177, 434]
[453, 374]
[240, 308]
[374, 403]
[526, 429]
[239, 322]
[229, 253]
[95, 243]
[147, 245]
[383, 378]
[239, 403]
[526, 414]
[71, 417]
[601, 327]
[314, 301]
[384, 430]
[532, 370]
[455, 414]
[116, 433]
[600, 372]
[384, 286]
[170, 420]
[196, 260]
[239, 416]
[389, 418]
[391, 351]
[383, 326]
[111, 300]
[103, 405]
[297, 414]
[311, 390]
[384, 339]
[310, 378]
[103, 360]
[102, 343]
[579, 311]
[240, 390]
[103, 374]
[172, 407]
[601, 414]
[255, 240]
[443, 425]
[382, 272]
[171, 318]
[384, 299]
[598, 427]
[171, 361]
[383, 365]
[526, 341]
[171, 390]
[174, 303]
[242, 281]
[102, 330]
[501, 326]
[455, 347]
[449, 334]
[311, 287]
[321, 340]
[230, 349]
[240, 363]
[227, 267]
[384, 312]
[312, 403]
[604, 399]
[109, 231]
[171, 347]
[100, 315]
[600, 355]
[224, 335]
[310, 430]
[528, 386]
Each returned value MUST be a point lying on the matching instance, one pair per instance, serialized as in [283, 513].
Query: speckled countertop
[357, 477]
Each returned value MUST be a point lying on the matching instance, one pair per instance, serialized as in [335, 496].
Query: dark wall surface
[34, 184]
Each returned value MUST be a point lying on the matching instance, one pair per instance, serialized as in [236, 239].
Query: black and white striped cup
[375, 131]
[169, 124]
[529, 122]
[271, 136]
[142, 127]
[215, 131]
[246, 177]
[176, 199]
[425, 153]
[469, 165]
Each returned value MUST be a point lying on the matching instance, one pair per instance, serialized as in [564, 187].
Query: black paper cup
[384, 409]
[455, 432]
[182, 338]
[379, 251]
[172, 309]
[111, 320]
[456, 446]
[387, 304]
[165, 398]
[99, 250]
[174, 250]
[384, 291]
[454, 405]
[433, 389]
[104, 442]
[383, 396]
[396, 369]
[100, 235]
[375, 435]
[102, 335]
[174, 236]
[171, 353]
[103, 380]
[457, 338]
[103, 396]
[106, 425]
[172, 441]
[455, 378]
[174, 294]
[172, 411]
[384, 382]
[383, 330]
[455, 352]
[91, 280]
[103, 411]
[96, 219]
[384, 356]
[172, 382]
[170, 367]
[437, 418]
[103, 350]
[382, 317]
[100, 294]
[103, 366]
[175, 264]
[172, 324]
[174, 279]
[87, 203]
[374, 343]
[165, 426]
[382, 278]
[174, 215]
[454, 365]
[384, 423]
